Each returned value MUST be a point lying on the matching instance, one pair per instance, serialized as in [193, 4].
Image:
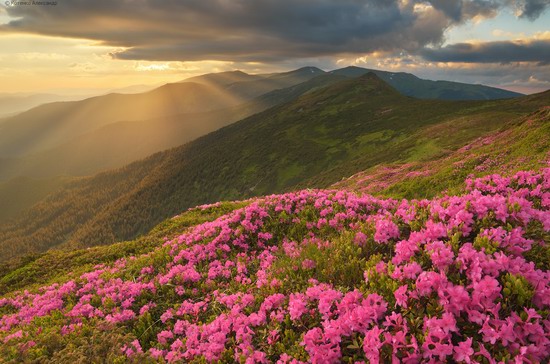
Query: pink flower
[117, 317]
[308, 264]
[486, 291]
[168, 315]
[273, 337]
[372, 344]
[15, 335]
[297, 305]
[164, 336]
[385, 230]
[463, 351]
[441, 255]
[381, 267]
[411, 270]
[400, 295]
[456, 299]
[489, 333]
[360, 238]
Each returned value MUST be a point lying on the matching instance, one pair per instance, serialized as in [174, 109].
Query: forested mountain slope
[314, 141]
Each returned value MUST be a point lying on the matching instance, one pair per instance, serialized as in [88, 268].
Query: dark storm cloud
[463, 10]
[222, 29]
[253, 30]
[492, 52]
[532, 9]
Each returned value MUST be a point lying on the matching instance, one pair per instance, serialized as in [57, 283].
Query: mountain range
[84, 137]
[49, 144]
[312, 133]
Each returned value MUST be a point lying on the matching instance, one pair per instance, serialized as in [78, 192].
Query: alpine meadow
[289, 182]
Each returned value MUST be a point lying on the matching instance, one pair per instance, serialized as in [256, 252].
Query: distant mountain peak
[348, 68]
[374, 83]
[310, 69]
[222, 78]
[371, 76]
[234, 72]
[303, 70]
[411, 85]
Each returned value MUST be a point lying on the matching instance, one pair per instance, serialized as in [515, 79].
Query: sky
[76, 45]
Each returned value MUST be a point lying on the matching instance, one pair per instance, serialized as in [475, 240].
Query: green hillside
[521, 144]
[99, 133]
[314, 141]
[118, 144]
[518, 145]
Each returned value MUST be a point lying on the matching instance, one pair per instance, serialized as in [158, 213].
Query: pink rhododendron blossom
[455, 278]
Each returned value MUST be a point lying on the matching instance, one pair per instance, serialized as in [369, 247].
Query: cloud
[492, 52]
[463, 10]
[532, 9]
[220, 29]
[254, 31]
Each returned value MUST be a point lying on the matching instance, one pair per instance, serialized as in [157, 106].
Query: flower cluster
[322, 277]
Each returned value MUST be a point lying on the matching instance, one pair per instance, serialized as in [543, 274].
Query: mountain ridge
[60, 121]
[48, 126]
[119, 143]
[355, 124]
[412, 85]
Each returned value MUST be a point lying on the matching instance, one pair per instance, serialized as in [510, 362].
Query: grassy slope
[311, 142]
[521, 144]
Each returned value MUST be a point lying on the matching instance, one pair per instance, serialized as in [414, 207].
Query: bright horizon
[82, 46]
